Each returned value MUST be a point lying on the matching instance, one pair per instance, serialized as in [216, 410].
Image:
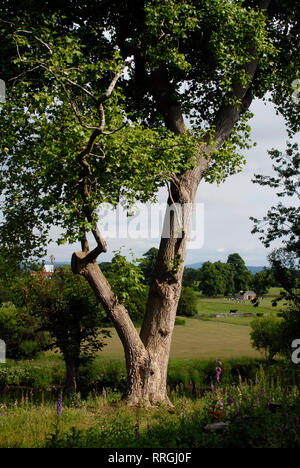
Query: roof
[247, 292]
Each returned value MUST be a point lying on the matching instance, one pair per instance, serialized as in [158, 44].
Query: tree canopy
[216, 279]
[242, 276]
[66, 58]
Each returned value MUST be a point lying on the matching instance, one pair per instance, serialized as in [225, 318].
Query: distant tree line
[227, 279]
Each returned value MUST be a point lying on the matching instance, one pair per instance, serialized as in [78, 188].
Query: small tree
[266, 336]
[66, 308]
[286, 272]
[188, 302]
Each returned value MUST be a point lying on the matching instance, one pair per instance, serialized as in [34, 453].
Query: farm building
[47, 271]
[246, 295]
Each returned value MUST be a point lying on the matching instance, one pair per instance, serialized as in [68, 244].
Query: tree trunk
[72, 375]
[166, 283]
[147, 355]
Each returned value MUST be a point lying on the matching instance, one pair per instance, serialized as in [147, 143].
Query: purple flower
[230, 401]
[136, 430]
[220, 403]
[59, 405]
[218, 373]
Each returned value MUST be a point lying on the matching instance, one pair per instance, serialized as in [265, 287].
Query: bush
[26, 374]
[266, 336]
[188, 302]
[179, 321]
[98, 374]
[18, 330]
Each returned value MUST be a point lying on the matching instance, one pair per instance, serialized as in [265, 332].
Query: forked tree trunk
[147, 354]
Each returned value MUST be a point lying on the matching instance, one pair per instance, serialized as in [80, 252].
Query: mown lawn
[199, 339]
[211, 338]
[222, 305]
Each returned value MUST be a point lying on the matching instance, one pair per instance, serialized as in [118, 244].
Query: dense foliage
[65, 307]
[18, 329]
[187, 305]
[59, 62]
[282, 223]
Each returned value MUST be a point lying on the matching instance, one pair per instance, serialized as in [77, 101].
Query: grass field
[221, 305]
[211, 338]
[199, 339]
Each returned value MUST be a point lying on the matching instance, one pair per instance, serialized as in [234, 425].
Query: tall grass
[258, 413]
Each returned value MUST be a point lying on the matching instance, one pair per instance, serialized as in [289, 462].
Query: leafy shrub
[188, 302]
[266, 336]
[98, 374]
[18, 330]
[179, 321]
[30, 375]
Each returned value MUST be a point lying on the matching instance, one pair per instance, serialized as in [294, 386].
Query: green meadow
[211, 337]
[199, 339]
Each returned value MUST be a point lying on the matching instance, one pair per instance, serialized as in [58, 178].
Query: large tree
[195, 67]
[216, 279]
[242, 276]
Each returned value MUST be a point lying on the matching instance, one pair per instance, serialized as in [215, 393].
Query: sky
[222, 212]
